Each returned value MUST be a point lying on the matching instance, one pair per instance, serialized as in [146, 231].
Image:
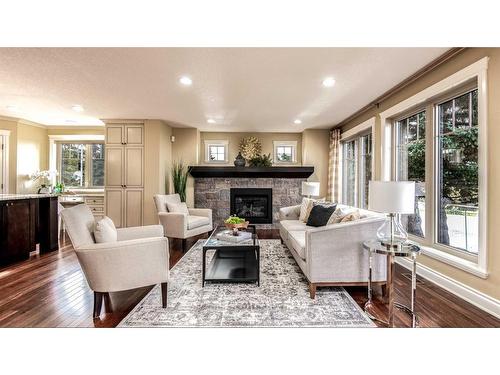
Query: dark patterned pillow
[320, 214]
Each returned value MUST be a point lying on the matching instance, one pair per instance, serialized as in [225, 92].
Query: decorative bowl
[237, 226]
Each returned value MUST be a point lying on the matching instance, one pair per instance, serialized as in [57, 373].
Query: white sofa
[179, 225]
[138, 258]
[333, 255]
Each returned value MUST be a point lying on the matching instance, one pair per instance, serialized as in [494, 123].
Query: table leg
[258, 266]
[390, 288]
[413, 290]
[370, 260]
[203, 268]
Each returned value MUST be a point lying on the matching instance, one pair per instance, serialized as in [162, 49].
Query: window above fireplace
[216, 152]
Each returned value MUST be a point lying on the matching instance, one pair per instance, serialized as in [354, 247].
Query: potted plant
[179, 178]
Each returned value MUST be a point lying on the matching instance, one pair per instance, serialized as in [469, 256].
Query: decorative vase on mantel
[239, 161]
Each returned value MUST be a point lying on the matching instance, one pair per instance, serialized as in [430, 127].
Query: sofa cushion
[180, 208]
[320, 214]
[340, 213]
[289, 225]
[197, 221]
[306, 207]
[298, 241]
[351, 217]
[105, 231]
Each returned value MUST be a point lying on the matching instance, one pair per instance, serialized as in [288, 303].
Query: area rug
[282, 300]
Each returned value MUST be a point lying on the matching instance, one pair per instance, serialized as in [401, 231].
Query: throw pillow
[105, 231]
[351, 217]
[320, 214]
[339, 214]
[306, 207]
[178, 207]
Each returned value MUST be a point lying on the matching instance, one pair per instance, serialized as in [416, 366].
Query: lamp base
[391, 232]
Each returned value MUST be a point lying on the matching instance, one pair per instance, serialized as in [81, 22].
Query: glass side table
[392, 251]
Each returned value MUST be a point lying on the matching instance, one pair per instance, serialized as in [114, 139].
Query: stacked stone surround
[214, 193]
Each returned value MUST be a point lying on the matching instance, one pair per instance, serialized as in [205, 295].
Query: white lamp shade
[310, 188]
[392, 197]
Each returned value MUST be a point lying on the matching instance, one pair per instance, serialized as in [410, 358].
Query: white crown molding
[479, 299]
[76, 137]
[122, 121]
[370, 123]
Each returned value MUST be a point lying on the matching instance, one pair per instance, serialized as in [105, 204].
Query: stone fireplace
[258, 193]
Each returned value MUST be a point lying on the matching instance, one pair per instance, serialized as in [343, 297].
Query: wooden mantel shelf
[251, 172]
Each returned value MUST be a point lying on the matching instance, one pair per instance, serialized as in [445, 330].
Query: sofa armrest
[123, 265]
[132, 233]
[336, 252]
[174, 224]
[289, 213]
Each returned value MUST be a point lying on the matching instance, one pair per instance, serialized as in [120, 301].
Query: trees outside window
[81, 164]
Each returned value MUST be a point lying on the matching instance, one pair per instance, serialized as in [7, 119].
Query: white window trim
[477, 70]
[209, 143]
[293, 144]
[346, 136]
[5, 139]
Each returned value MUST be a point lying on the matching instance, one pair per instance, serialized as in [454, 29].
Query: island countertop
[11, 197]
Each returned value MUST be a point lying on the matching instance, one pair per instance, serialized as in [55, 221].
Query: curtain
[333, 166]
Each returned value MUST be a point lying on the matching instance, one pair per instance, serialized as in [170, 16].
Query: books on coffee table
[229, 237]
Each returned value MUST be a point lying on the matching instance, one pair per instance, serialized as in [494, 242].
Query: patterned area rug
[282, 300]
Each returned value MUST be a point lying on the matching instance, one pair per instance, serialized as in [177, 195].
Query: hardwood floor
[50, 291]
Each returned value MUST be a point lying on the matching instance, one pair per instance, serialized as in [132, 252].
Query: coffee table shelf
[232, 262]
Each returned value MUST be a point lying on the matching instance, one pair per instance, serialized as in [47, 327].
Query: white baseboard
[473, 296]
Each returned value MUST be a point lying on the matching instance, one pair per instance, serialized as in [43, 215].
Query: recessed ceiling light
[77, 108]
[186, 81]
[297, 121]
[12, 108]
[328, 82]
[211, 121]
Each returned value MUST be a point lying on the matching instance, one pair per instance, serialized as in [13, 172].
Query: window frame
[216, 143]
[88, 163]
[447, 87]
[356, 138]
[292, 144]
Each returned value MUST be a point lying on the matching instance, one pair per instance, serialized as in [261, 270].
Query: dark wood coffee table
[232, 262]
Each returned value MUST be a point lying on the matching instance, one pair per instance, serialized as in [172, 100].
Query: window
[216, 151]
[356, 170]
[454, 212]
[81, 165]
[284, 152]
[457, 173]
[410, 166]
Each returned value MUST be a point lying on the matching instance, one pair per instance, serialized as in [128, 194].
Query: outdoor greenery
[82, 164]
[179, 178]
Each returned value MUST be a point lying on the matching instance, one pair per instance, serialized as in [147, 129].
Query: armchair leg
[98, 297]
[164, 289]
[384, 289]
[312, 290]
[184, 245]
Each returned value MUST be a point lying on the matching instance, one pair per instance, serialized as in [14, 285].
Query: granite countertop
[10, 197]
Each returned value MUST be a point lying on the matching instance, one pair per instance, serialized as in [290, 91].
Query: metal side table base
[392, 251]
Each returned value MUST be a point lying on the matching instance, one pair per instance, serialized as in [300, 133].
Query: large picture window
[454, 171]
[356, 170]
[457, 173]
[81, 165]
[410, 166]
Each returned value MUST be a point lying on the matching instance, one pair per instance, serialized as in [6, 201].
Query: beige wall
[157, 162]
[315, 149]
[73, 130]
[491, 285]
[32, 156]
[234, 139]
[186, 148]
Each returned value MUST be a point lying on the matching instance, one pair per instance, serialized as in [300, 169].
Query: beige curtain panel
[333, 166]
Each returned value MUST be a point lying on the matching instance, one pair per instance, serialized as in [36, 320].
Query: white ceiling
[243, 89]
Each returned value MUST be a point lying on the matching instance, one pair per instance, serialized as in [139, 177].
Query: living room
[242, 186]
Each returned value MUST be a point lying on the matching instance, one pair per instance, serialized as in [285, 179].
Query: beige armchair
[179, 225]
[139, 257]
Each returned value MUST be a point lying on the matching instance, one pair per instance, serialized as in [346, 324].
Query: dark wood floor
[51, 291]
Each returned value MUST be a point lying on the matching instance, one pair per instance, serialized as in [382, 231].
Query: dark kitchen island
[25, 221]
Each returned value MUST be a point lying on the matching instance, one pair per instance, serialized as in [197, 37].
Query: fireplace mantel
[251, 172]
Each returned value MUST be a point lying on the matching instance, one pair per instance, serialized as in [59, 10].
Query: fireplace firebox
[253, 204]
